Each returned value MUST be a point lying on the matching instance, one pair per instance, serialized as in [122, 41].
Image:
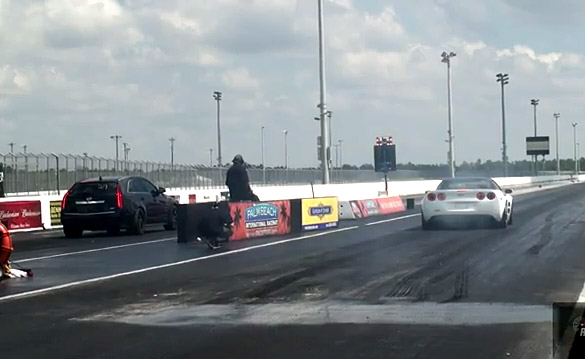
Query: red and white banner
[389, 205]
[379, 206]
[21, 214]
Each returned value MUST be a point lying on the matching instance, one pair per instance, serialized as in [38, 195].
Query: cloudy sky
[74, 72]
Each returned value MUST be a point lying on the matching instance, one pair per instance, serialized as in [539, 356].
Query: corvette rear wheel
[503, 223]
[426, 225]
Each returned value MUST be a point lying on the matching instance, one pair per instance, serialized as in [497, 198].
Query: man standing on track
[238, 182]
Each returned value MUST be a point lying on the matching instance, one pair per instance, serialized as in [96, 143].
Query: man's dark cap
[238, 159]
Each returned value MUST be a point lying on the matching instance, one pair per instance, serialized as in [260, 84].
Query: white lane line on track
[92, 250]
[392, 219]
[162, 266]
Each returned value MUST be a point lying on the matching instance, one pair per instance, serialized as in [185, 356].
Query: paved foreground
[367, 290]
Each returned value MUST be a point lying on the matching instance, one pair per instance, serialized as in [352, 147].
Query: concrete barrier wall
[344, 192]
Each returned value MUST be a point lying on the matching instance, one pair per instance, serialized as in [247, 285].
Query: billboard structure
[384, 157]
[538, 146]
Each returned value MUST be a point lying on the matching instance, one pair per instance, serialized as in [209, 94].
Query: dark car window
[148, 186]
[94, 189]
[136, 186]
[467, 184]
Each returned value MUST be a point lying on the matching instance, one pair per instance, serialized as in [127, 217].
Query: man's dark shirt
[238, 183]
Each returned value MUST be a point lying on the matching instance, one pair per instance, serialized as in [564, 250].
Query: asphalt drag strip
[383, 290]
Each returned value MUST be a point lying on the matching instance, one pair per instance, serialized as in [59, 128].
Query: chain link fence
[31, 174]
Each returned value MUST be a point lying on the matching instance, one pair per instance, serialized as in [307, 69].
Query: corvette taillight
[491, 195]
[431, 197]
[441, 196]
[480, 196]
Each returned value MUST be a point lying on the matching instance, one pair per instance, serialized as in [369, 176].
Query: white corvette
[463, 199]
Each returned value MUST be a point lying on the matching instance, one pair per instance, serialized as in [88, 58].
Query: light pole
[322, 106]
[285, 132]
[217, 96]
[447, 60]
[329, 152]
[211, 157]
[534, 103]
[172, 141]
[574, 124]
[556, 116]
[117, 138]
[503, 80]
[341, 153]
[263, 163]
[11, 144]
[126, 151]
[578, 159]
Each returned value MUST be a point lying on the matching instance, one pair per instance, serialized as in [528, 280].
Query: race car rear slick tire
[426, 225]
[137, 226]
[503, 222]
[72, 232]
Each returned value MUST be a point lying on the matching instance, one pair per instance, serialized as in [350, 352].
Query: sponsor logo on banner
[319, 213]
[389, 205]
[55, 207]
[253, 219]
[261, 216]
[192, 198]
[369, 207]
[21, 214]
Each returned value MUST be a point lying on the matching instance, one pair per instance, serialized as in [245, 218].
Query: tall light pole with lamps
[534, 103]
[218, 96]
[556, 116]
[447, 60]
[503, 79]
[322, 106]
[117, 138]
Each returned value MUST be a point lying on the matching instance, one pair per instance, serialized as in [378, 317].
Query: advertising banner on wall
[21, 214]
[319, 213]
[379, 206]
[55, 207]
[369, 207]
[389, 205]
[259, 219]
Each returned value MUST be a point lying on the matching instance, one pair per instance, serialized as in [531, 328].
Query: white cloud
[239, 79]
[92, 68]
